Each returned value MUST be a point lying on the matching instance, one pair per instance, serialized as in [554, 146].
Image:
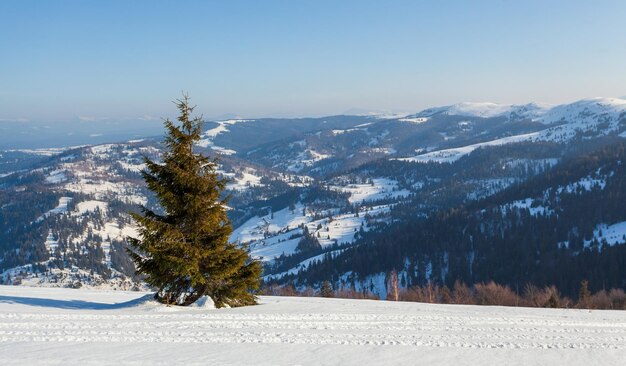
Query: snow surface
[303, 265]
[101, 189]
[61, 208]
[414, 119]
[341, 229]
[137, 168]
[246, 179]
[584, 184]
[56, 176]
[222, 127]
[78, 327]
[271, 235]
[283, 220]
[51, 243]
[280, 232]
[613, 234]
[598, 116]
[305, 159]
[590, 108]
[487, 110]
[380, 188]
[487, 187]
[454, 154]
[528, 204]
[91, 206]
[105, 227]
[52, 151]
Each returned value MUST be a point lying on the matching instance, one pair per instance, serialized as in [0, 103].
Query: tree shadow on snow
[73, 304]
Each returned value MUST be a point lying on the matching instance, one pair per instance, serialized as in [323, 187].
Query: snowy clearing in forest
[78, 327]
[279, 233]
[609, 234]
[378, 189]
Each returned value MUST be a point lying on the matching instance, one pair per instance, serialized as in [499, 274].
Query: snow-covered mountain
[304, 191]
[585, 119]
[544, 113]
[488, 110]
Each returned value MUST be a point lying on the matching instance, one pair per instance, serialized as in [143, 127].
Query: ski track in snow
[52, 318]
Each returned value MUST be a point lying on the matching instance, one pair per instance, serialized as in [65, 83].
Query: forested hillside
[557, 228]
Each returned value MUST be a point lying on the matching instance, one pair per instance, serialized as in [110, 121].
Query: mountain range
[470, 192]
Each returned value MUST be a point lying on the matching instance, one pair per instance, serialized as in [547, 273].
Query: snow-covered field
[380, 188]
[80, 327]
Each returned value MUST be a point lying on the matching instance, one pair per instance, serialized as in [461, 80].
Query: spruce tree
[183, 248]
[327, 290]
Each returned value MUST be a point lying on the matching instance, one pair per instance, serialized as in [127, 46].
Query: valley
[333, 198]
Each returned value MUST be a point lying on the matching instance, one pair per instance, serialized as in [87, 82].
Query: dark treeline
[489, 293]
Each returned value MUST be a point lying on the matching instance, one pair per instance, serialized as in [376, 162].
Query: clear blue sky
[125, 59]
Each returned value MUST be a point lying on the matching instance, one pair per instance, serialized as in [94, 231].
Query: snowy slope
[303, 265]
[454, 154]
[528, 204]
[59, 209]
[544, 113]
[280, 232]
[611, 234]
[378, 189]
[594, 117]
[487, 110]
[77, 327]
[585, 109]
[211, 134]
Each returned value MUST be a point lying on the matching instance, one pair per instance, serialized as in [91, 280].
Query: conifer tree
[327, 290]
[183, 250]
